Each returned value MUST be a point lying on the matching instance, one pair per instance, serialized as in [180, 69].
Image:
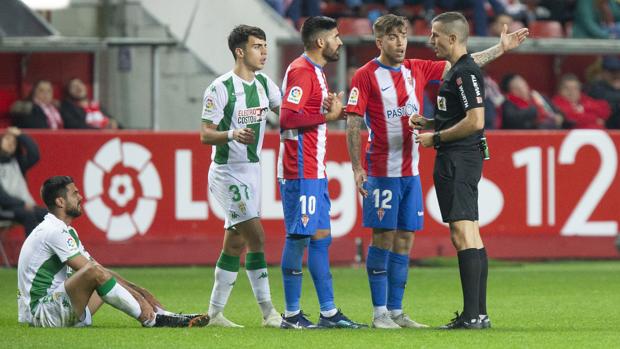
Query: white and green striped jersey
[43, 260]
[231, 103]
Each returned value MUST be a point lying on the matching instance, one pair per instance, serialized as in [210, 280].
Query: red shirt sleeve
[360, 91]
[298, 89]
[581, 118]
[432, 70]
[598, 107]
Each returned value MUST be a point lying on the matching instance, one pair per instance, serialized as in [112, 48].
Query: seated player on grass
[61, 285]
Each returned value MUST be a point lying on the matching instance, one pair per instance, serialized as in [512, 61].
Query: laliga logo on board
[123, 164]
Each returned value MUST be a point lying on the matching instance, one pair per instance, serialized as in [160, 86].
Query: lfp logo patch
[209, 105]
[71, 243]
[294, 96]
[353, 96]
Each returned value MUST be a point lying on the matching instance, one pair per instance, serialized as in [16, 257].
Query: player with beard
[61, 285]
[385, 92]
[306, 107]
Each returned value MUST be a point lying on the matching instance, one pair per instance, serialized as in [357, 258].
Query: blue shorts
[306, 205]
[394, 203]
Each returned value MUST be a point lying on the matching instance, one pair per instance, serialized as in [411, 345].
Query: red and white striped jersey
[386, 97]
[302, 151]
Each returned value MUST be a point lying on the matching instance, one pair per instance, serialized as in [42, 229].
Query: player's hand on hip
[425, 139]
[244, 135]
[360, 179]
[417, 121]
[514, 39]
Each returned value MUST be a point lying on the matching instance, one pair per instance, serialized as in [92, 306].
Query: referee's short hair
[313, 26]
[386, 23]
[454, 23]
[240, 35]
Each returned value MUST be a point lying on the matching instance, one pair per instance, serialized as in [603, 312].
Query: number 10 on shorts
[308, 204]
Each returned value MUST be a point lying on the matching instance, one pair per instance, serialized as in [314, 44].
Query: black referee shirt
[461, 90]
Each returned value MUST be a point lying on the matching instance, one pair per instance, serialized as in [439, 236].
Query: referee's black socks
[469, 267]
[484, 272]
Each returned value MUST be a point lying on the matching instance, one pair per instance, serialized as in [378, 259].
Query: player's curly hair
[239, 36]
[386, 23]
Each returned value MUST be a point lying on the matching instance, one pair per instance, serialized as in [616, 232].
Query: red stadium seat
[515, 25]
[333, 9]
[421, 28]
[568, 29]
[349, 26]
[8, 95]
[546, 29]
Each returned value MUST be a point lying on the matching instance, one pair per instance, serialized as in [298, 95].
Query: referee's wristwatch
[436, 139]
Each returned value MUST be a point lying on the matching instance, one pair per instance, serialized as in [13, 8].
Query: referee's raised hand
[514, 39]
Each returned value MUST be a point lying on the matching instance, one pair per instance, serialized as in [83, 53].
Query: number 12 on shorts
[308, 204]
[382, 198]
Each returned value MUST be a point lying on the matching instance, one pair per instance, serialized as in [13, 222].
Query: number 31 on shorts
[236, 193]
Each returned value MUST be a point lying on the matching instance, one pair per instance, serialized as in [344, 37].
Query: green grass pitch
[538, 305]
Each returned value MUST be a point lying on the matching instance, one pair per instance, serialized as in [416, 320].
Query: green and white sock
[226, 272]
[256, 268]
[117, 296]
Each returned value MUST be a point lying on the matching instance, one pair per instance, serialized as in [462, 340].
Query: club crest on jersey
[294, 96]
[304, 219]
[441, 103]
[353, 96]
[242, 208]
[380, 214]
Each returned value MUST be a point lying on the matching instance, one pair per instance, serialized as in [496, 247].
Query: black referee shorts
[456, 176]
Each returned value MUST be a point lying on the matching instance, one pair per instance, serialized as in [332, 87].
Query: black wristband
[436, 139]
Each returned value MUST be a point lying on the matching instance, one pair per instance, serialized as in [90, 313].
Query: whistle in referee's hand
[484, 149]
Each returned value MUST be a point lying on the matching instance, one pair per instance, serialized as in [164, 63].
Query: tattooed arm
[354, 123]
[506, 43]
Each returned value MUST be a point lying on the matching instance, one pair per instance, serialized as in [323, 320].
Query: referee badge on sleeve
[441, 103]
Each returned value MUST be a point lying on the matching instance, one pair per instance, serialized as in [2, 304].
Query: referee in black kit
[461, 147]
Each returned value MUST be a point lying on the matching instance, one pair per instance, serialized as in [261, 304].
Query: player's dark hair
[454, 23]
[385, 24]
[239, 36]
[504, 85]
[54, 187]
[314, 26]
